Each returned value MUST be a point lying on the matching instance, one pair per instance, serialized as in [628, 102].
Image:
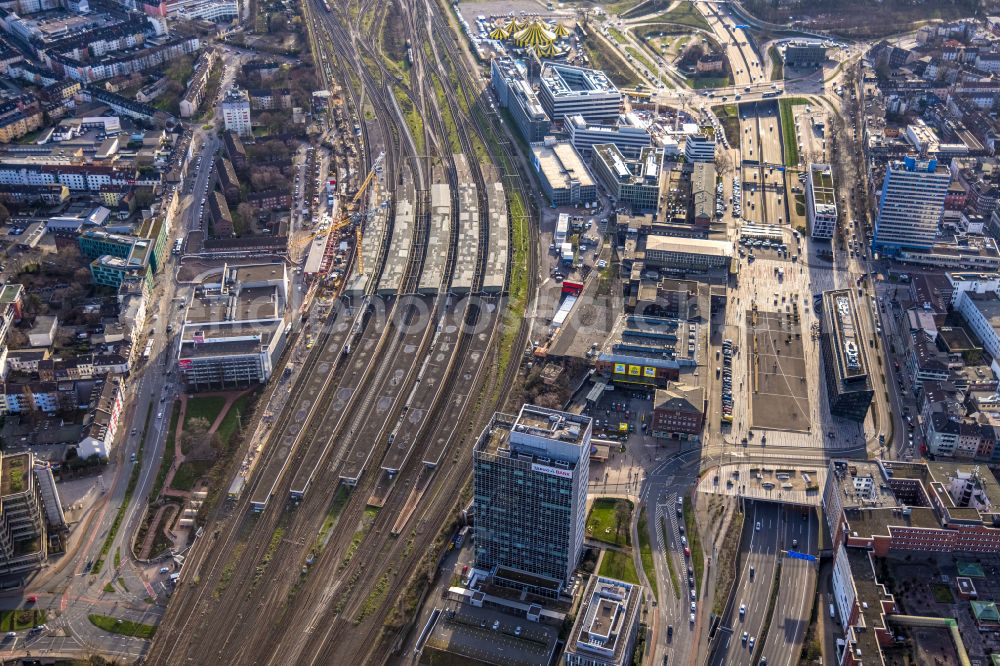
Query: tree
[4, 214]
[621, 519]
[244, 215]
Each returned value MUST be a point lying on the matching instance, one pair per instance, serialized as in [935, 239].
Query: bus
[148, 351]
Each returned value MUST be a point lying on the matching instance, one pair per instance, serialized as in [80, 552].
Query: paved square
[779, 389]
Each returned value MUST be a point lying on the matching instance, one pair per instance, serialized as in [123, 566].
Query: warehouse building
[845, 363]
[577, 91]
[631, 182]
[563, 176]
[821, 201]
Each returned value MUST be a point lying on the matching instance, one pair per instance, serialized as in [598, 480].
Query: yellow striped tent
[535, 34]
[561, 31]
[546, 50]
[499, 33]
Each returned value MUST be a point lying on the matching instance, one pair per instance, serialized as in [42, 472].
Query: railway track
[210, 561]
[265, 613]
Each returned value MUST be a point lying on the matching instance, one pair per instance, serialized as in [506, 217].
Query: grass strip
[168, 455]
[694, 543]
[646, 553]
[123, 627]
[777, 64]
[725, 570]
[788, 141]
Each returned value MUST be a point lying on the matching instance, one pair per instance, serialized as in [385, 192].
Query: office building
[236, 112]
[577, 91]
[563, 176]
[911, 204]
[515, 94]
[699, 147]
[530, 495]
[236, 330]
[981, 312]
[801, 53]
[845, 363]
[630, 182]
[606, 625]
[821, 201]
[627, 134]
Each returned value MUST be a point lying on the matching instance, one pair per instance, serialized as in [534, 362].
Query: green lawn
[619, 565]
[729, 118]
[123, 627]
[791, 146]
[203, 407]
[646, 553]
[611, 62]
[694, 543]
[699, 83]
[942, 594]
[17, 620]
[778, 69]
[232, 419]
[685, 14]
[189, 472]
[602, 522]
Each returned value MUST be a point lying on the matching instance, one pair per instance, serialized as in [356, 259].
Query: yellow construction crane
[357, 250]
[376, 167]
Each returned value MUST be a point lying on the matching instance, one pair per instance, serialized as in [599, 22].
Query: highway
[796, 590]
[755, 580]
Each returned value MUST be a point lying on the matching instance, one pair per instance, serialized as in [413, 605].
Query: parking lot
[777, 372]
[480, 635]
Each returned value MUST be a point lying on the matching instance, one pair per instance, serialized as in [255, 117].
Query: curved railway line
[246, 593]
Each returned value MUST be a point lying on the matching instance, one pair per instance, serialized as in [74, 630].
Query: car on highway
[758, 526]
[743, 611]
[692, 618]
[751, 642]
[687, 552]
[744, 637]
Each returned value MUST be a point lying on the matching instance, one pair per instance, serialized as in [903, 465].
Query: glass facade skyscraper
[911, 204]
[530, 494]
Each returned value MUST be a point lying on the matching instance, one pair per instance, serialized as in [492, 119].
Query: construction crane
[376, 167]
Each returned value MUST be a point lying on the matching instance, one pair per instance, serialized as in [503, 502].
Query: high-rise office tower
[911, 205]
[530, 488]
